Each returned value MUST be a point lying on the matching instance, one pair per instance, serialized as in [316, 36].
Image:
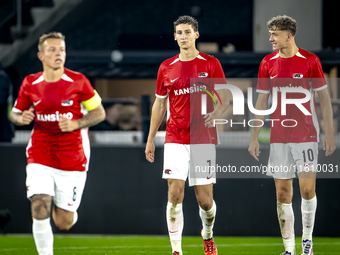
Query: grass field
[81, 245]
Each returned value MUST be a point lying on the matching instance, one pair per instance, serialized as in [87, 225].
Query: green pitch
[107, 245]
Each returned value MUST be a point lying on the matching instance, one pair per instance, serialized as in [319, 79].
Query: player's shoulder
[73, 75]
[35, 77]
[271, 56]
[306, 54]
[207, 57]
[170, 61]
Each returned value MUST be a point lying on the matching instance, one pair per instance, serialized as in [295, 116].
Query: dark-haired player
[189, 142]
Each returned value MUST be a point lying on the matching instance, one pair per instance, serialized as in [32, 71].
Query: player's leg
[174, 213]
[281, 166]
[203, 175]
[64, 219]
[306, 154]
[68, 194]
[40, 189]
[175, 170]
[207, 208]
[284, 194]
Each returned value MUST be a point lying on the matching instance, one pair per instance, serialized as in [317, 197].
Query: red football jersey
[48, 145]
[302, 70]
[185, 124]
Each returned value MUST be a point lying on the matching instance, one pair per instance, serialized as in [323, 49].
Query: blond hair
[44, 37]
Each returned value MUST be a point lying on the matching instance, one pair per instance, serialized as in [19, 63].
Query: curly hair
[283, 23]
[44, 37]
[186, 20]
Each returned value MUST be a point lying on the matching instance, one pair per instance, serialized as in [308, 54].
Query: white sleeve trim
[160, 96]
[321, 88]
[262, 91]
[16, 110]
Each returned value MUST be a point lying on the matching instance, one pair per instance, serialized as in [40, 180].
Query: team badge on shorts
[167, 171]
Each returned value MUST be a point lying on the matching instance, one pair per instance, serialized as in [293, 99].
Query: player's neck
[53, 75]
[188, 54]
[288, 52]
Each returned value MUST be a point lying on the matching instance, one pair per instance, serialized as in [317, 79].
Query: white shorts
[65, 186]
[288, 159]
[193, 161]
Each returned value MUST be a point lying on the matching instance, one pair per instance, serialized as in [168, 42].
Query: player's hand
[254, 149]
[150, 152]
[329, 144]
[210, 117]
[27, 117]
[67, 125]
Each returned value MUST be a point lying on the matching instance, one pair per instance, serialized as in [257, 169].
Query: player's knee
[284, 196]
[307, 192]
[175, 196]
[41, 206]
[63, 223]
[205, 204]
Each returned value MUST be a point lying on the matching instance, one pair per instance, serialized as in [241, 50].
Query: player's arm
[22, 118]
[261, 104]
[95, 115]
[327, 113]
[219, 109]
[157, 115]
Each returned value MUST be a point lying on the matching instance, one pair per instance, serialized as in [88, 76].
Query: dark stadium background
[124, 194]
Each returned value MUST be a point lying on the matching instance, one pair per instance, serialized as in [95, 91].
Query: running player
[187, 133]
[59, 149]
[293, 147]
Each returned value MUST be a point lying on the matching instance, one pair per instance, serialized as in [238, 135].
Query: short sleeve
[318, 79]
[263, 85]
[88, 96]
[218, 74]
[23, 101]
[160, 88]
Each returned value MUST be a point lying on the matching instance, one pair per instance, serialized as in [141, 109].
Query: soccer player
[294, 136]
[188, 132]
[59, 149]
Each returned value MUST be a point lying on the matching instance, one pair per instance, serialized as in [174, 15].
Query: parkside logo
[238, 103]
[54, 117]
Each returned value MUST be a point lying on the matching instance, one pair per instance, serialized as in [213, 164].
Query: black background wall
[125, 194]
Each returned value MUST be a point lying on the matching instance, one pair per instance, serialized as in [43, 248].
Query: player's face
[53, 54]
[185, 36]
[279, 39]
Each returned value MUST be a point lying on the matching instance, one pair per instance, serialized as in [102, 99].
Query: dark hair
[186, 20]
[44, 37]
[283, 23]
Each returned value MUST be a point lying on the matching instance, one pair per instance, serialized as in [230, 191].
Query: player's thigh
[69, 189]
[204, 195]
[176, 161]
[281, 163]
[39, 180]
[202, 164]
[62, 218]
[307, 187]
